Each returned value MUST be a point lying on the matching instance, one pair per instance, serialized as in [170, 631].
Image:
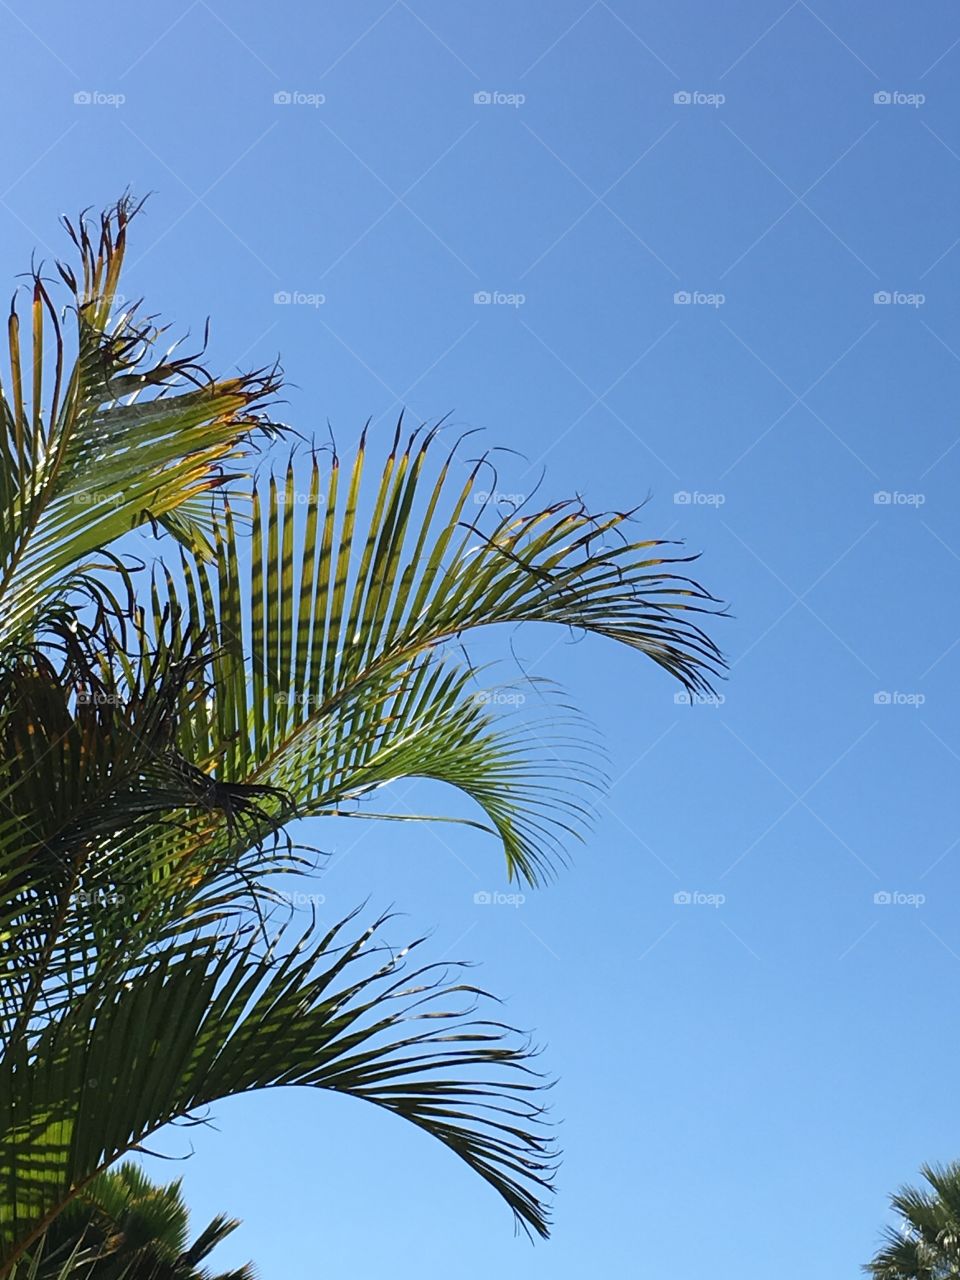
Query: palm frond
[330, 676]
[193, 1025]
[925, 1244]
[158, 735]
[127, 1225]
[112, 437]
[98, 809]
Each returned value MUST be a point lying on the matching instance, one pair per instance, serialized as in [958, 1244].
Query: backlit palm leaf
[107, 437]
[287, 660]
[193, 1025]
[329, 678]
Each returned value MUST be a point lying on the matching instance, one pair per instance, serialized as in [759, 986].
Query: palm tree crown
[124, 1226]
[295, 646]
[925, 1244]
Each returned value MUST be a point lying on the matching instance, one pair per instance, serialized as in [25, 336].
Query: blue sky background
[740, 1085]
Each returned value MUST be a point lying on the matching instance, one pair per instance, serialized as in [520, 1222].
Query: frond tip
[158, 732]
[330, 618]
[216, 1019]
[108, 435]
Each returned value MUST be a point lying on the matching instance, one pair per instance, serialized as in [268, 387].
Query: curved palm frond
[115, 439]
[291, 659]
[329, 676]
[192, 1025]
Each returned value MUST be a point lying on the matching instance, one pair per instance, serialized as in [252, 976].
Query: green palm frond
[98, 809]
[127, 1225]
[290, 659]
[106, 436]
[925, 1244]
[329, 673]
[192, 1025]
[39, 1265]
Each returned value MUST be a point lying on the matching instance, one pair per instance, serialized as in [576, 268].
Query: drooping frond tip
[101, 243]
[114, 432]
[289, 676]
[340, 628]
[102, 246]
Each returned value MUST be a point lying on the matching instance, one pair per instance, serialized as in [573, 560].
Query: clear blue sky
[743, 1084]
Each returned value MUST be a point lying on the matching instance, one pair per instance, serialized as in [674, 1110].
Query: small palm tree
[296, 646]
[127, 1226]
[925, 1244]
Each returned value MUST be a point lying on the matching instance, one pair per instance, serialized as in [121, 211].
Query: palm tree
[925, 1244]
[129, 1226]
[295, 646]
